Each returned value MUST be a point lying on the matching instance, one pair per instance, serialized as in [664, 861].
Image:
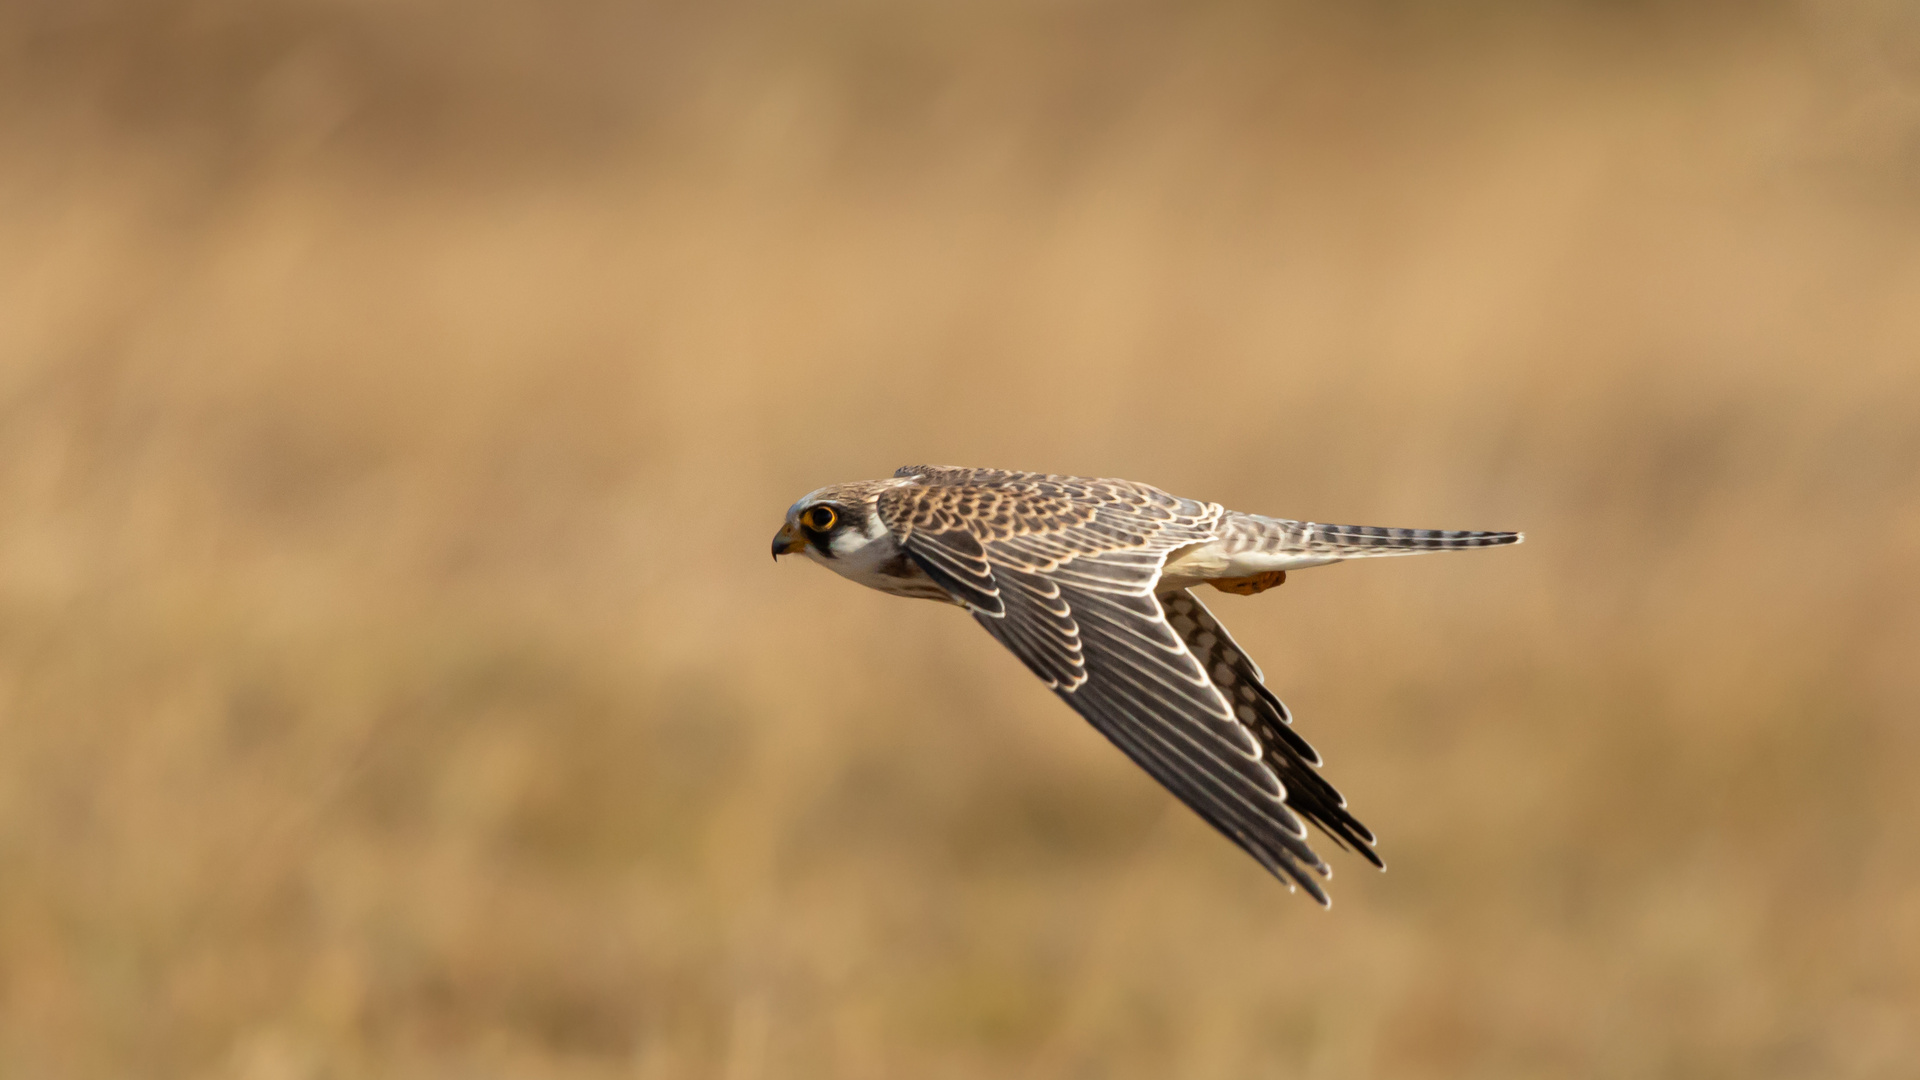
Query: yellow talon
[1249, 586]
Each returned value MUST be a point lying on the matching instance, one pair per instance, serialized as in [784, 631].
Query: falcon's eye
[820, 518]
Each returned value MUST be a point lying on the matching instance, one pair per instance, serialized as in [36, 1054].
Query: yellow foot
[1248, 586]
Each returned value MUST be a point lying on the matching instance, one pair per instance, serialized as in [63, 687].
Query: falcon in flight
[1089, 582]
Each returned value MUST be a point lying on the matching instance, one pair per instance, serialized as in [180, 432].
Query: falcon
[1090, 583]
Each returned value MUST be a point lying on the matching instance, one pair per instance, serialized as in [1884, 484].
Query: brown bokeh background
[397, 400]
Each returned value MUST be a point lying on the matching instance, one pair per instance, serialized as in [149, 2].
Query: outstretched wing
[1062, 571]
[1291, 758]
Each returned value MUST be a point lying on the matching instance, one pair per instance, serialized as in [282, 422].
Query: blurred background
[397, 401]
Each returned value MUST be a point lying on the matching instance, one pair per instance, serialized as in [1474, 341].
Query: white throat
[859, 556]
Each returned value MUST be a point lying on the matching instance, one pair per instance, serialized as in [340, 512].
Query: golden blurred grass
[396, 402]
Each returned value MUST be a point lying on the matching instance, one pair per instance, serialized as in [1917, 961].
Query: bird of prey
[1089, 582]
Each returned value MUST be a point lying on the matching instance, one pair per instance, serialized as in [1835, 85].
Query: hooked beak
[787, 541]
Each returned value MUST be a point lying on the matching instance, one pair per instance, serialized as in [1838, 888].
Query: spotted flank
[1086, 581]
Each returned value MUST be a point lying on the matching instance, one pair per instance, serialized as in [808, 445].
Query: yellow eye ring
[820, 518]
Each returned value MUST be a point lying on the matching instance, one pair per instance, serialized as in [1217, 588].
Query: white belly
[1218, 559]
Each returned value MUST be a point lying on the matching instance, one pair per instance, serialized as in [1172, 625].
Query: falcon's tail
[1311, 542]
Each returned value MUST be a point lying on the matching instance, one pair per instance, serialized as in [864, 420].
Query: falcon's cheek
[825, 548]
[844, 544]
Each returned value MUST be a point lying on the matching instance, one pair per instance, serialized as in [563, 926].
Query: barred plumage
[1253, 532]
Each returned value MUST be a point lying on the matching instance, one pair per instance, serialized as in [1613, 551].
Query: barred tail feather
[1251, 533]
[1354, 540]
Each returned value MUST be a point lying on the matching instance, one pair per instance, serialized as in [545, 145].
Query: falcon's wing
[1062, 572]
[1239, 680]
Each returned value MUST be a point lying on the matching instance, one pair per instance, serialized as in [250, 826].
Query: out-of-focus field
[396, 402]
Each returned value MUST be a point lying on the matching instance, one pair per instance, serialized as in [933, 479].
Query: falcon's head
[832, 523]
[842, 528]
